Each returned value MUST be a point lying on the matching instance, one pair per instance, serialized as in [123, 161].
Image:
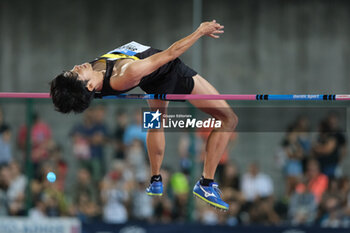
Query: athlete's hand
[211, 29]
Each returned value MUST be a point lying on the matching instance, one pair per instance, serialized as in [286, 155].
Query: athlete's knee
[230, 120]
[156, 151]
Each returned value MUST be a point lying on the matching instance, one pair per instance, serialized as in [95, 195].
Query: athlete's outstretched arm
[133, 72]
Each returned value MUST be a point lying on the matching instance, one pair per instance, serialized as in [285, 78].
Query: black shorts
[174, 77]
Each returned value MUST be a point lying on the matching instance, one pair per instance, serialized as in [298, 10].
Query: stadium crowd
[113, 190]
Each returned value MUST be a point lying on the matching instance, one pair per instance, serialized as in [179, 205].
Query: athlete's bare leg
[156, 139]
[218, 138]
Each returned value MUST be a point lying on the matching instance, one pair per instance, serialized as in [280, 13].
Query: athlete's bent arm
[132, 73]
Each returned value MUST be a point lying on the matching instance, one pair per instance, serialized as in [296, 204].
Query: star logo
[156, 115]
[151, 120]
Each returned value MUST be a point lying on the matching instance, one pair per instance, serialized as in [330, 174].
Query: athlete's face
[84, 71]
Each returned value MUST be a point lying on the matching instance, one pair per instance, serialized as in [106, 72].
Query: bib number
[130, 49]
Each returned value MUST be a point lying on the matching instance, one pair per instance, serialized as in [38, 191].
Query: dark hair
[70, 94]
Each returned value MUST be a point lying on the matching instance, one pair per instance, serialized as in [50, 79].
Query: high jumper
[155, 72]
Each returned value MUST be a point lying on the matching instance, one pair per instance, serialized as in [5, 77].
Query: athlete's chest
[120, 66]
[116, 69]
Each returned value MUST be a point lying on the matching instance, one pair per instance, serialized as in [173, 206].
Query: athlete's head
[72, 90]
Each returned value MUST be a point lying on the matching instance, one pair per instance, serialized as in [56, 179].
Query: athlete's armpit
[140, 68]
[125, 78]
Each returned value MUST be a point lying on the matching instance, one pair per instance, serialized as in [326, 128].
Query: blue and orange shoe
[155, 189]
[210, 194]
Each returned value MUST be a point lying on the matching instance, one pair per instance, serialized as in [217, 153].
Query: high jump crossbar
[33, 95]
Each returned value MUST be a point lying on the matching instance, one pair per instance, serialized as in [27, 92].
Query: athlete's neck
[100, 77]
[96, 81]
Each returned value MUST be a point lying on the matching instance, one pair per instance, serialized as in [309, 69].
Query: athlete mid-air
[155, 72]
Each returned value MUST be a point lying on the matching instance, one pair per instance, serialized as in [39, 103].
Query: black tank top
[134, 51]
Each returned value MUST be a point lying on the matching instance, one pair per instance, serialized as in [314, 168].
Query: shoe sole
[155, 194]
[217, 206]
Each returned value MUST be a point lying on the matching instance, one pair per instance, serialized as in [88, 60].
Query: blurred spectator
[49, 193]
[333, 190]
[142, 204]
[233, 215]
[41, 140]
[302, 206]
[81, 144]
[333, 121]
[89, 139]
[5, 145]
[208, 215]
[315, 181]
[134, 130]
[232, 181]
[100, 114]
[233, 218]
[122, 122]
[180, 188]
[4, 184]
[5, 137]
[2, 121]
[333, 206]
[55, 200]
[332, 216]
[186, 149]
[327, 149]
[302, 127]
[84, 188]
[136, 158]
[87, 210]
[56, 161]
[114, 195]
[262, 212]
[257, 189]
[255, 184]
[52, 205]
[16, 190]
[38, 212]
[98, 139]
[344, 191]
[163, 206]
[295, 149]
[231, 177]
[1, 117]
[294, 154]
